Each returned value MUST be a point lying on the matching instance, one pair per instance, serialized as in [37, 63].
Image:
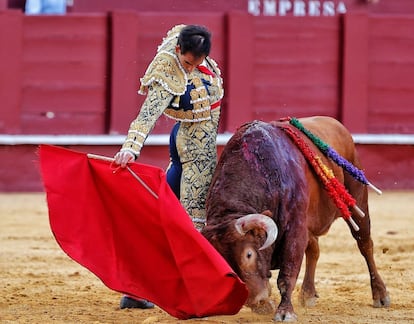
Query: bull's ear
[267, 212]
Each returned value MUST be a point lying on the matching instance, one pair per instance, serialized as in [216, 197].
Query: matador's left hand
[123, 158]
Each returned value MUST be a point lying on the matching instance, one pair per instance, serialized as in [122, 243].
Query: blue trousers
[175, 168]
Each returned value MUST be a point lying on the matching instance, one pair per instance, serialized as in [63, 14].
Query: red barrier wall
[390, 74]
[79, 73]
[81, 76]
[11, 71]
[65, 74]
[279, 68]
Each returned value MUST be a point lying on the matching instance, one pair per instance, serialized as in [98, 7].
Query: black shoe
[128, 302]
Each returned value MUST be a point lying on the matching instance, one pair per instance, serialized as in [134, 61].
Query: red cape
[136, 244]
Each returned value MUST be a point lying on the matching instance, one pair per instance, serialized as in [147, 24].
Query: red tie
[204, 70]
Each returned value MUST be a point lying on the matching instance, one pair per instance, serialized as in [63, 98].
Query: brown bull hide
[262, 169]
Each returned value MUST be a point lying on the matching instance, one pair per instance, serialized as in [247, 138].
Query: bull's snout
[260, 302]
[265, 306]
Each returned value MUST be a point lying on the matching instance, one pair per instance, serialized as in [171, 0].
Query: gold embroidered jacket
[173, 92]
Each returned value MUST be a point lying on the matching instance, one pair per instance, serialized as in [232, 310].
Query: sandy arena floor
[40, 284]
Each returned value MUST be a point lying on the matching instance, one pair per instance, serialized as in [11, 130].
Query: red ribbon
[204, 70]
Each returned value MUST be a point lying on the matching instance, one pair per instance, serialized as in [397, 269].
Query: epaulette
[167, 71]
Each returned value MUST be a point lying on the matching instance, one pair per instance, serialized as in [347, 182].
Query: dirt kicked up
[39, 283]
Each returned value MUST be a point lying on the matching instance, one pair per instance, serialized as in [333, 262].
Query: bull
[266, 209]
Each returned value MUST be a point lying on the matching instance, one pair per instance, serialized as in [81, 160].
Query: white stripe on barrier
[392, 139]
[163, 139]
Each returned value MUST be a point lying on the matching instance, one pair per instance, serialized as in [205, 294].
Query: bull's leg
[285, 312]
[291, 261]
[380, 294]
[308, 294]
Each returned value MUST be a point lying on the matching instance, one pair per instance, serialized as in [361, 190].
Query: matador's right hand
[123, 158]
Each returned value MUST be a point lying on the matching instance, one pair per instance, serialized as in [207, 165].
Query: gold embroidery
[187, 116]
[200, 101]
[165, 67]
[153, 107]
[216, 89]
[167, 71]
[164, 80]
[196, 145]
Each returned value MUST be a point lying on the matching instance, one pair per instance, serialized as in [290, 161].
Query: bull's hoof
[264, 307]
[382, 302]
[308, 300]
[285, 317]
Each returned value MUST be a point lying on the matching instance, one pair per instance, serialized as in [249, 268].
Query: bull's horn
[251, 221]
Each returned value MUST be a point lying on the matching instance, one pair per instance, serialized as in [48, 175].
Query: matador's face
[188, 61]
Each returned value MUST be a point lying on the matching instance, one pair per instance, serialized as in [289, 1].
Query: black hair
[196, 40]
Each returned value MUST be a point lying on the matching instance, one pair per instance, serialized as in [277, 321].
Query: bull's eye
[249, 254]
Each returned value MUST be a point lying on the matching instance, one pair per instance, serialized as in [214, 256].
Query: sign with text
[299, 8]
